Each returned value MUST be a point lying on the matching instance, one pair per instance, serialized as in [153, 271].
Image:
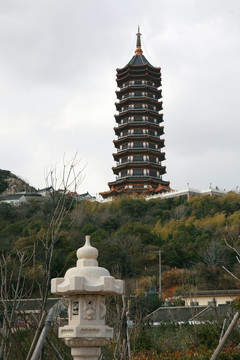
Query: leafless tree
[232, 241]
[12, 289]
[13, 266]
[63, 196]
[214, 253]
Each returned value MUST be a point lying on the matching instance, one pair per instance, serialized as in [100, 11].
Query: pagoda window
[138, 106]
[152, 146]
[124, 133]
[152, 159]
[138, 144]
[138, 158]
[153, 173]
[138, 118]
[138, 82]
[138, 172]
[138, 131]
[123, 173]
[124, 146]
[151, 132]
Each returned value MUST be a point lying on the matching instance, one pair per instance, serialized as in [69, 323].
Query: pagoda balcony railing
[138, 176]
[126, 121]
[138, 148]
[128, 85]
[138, 96]
[138, 108]
[138, 162]
[138, 135]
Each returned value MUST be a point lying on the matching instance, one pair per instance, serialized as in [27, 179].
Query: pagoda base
[128, 187]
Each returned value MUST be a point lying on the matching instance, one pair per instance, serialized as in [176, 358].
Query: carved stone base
[86, 353]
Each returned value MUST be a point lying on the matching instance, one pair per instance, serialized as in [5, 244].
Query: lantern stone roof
[87, 276]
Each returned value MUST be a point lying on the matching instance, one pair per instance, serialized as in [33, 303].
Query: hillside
[128, 234]
[12, 184]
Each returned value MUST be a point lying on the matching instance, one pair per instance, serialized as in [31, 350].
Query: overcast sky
[58, 61]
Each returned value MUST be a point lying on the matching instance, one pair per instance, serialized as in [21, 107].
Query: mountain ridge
[11, 184]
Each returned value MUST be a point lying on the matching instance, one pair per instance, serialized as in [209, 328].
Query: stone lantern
[86, 286]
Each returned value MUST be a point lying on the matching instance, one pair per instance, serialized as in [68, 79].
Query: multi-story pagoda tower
[139, 144]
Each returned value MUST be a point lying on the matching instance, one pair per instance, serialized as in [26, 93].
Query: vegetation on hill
[128, 234]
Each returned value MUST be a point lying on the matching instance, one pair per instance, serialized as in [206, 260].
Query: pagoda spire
[138, 50]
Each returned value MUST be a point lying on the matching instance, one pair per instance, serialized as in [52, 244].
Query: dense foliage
[128, 234]
[3, 183]
[191, 234]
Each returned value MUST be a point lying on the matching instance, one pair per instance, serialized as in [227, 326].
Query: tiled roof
[139, 60]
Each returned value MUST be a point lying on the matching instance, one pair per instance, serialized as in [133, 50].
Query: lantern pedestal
[86, 353]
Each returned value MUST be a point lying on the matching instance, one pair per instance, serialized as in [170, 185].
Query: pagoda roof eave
[145, 124]
[147, 179]
[139, 99]
[145, 151]
[128, 65]
[128, 76]
[139, 112]
[155, 140]
[133, 165]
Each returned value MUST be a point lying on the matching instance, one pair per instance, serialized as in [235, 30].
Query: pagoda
[139, 130]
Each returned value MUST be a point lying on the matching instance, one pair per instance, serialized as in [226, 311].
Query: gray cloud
[57, 90]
